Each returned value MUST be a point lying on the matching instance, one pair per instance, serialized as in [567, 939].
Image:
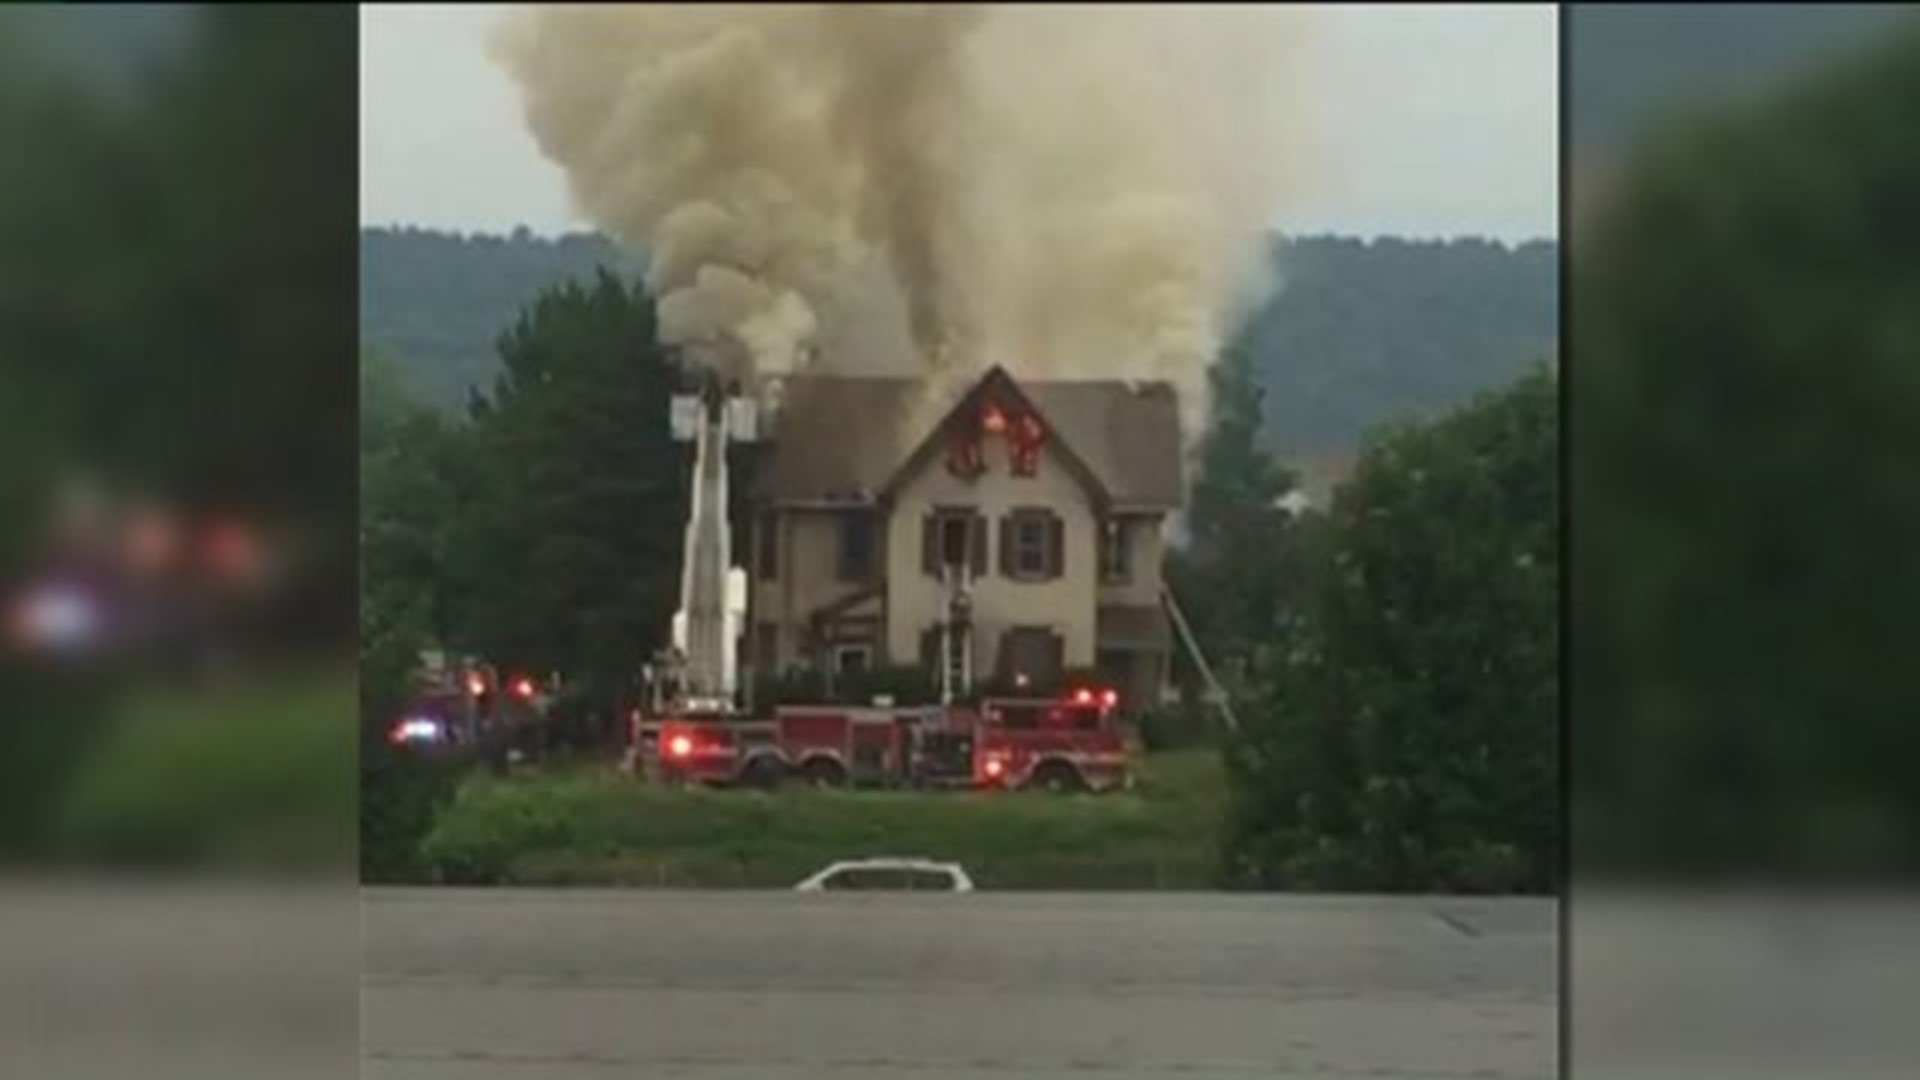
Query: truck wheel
[764, 773]
[824, 773]
[1057, 777]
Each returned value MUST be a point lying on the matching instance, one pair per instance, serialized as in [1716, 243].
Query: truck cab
[1072, 742]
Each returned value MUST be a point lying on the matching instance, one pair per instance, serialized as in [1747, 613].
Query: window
[1116, 551]
[954, 537]
[1031, 659]
[852, 659]
[856, 547]
[1030, 545]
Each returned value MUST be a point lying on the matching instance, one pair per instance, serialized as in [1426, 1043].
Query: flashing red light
[523, 687]
[1109, 698]
[995, 767]
[1083, 696]
[231, 549]
[679, 746]
[476, 685]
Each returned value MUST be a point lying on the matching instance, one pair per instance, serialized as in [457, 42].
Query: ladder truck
[705, 661]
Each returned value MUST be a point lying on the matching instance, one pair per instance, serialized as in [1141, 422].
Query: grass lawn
[595, 826]
[255, 769]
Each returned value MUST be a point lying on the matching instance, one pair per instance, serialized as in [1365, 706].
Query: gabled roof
[839, 439]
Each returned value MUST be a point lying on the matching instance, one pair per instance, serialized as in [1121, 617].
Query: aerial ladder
[701, 673]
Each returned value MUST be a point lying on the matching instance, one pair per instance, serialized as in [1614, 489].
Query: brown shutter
[977, 532]
[1056, 659]
[766, 538]
[1056, 545]
[930, 544]
[930, 650]
[1007, 567]
[1004, 659]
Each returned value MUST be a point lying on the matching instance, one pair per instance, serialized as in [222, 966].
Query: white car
[953, 872]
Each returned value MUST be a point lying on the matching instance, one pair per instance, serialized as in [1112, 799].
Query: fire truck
[1068, 743]
[693, 730]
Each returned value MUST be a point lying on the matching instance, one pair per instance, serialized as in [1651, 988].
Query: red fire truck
[1069, 743]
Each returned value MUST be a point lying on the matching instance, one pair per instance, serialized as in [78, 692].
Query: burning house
[1015, 537]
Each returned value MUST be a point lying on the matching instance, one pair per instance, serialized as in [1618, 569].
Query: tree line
[1358, 333]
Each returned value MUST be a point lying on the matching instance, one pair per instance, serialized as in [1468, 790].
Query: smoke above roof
[1069, 191]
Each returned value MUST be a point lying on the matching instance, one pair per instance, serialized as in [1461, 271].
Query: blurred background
[177, 571]
[1744, 313]
[179, 404]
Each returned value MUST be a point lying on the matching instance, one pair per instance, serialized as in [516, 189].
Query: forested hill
[1362, 331]
[436, 301]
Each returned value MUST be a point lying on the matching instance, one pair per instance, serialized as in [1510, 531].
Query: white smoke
[1066, 190]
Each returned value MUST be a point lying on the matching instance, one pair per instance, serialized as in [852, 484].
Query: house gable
[967, 420]
[843, 441]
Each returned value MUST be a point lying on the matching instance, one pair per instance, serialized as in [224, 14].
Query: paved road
[538, 985]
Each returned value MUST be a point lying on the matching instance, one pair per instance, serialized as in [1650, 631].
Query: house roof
[840, 438]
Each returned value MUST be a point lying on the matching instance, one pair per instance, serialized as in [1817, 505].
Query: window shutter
[1056, 545]
[930, 545]
[767, 537]
[1056, 658]
[977, 530]
[1004, 659]
[1007, 566]
[930, 650]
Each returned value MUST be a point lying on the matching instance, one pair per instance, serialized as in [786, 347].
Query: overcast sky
[1430, 120]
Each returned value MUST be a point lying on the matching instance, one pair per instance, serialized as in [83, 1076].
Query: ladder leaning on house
[1216, 694]
[956, 652]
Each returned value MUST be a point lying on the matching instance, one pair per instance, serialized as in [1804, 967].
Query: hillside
[1632, 66]
[1362, 332]
[436, 301]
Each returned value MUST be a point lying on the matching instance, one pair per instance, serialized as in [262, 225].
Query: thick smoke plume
[1070, 191]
